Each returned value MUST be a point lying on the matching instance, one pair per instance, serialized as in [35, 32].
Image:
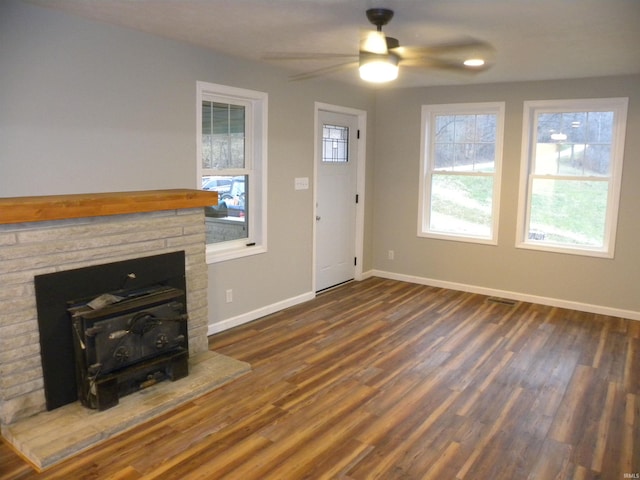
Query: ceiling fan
[380, 56]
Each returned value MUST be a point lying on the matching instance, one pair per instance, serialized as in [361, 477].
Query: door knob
[317, 218]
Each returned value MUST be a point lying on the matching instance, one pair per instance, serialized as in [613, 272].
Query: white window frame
[530, 111]
[256, 115]
[429, 113]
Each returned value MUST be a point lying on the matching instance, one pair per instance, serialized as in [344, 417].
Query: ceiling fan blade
[459, 50]
[323, 71]
[441, 64]
[372, 41]
[306, 56]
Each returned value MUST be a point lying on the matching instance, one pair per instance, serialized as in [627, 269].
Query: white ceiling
[534, 39]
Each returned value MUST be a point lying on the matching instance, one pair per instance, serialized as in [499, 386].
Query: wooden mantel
[59, 207]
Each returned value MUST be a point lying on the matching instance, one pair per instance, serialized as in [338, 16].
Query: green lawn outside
[567, 212]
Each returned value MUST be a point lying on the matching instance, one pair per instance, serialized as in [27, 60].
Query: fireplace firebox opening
[125, 330]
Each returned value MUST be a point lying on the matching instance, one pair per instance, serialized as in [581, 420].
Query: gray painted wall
[88, 107]
[596, 281]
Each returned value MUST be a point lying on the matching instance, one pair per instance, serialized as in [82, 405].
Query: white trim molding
[518, 296]
[258, 313]
[492, 292]
[361, 116]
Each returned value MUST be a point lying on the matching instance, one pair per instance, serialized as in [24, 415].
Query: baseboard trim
[523, 297]
[258, 313]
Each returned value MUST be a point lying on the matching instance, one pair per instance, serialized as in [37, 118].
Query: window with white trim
[570, 175]
[232, 160]
[460, 171]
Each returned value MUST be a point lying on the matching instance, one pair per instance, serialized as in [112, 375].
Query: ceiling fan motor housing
[379, 16]
[392, 42]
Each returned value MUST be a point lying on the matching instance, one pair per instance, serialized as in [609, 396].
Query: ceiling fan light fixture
[473, 62]
[379, 68]
[374, 42]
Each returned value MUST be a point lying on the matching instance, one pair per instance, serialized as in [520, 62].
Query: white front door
[336, 198]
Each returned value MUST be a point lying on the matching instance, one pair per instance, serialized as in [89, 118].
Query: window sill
[222, 255]
[228, 220]
[585, 252]
[458, 238]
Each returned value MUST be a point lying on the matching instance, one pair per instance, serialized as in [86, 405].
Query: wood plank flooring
[391, 380]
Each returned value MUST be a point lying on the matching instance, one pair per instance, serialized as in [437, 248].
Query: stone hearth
[51, 437]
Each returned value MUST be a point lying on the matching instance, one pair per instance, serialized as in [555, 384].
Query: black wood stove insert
[159, 279]
[128, 340]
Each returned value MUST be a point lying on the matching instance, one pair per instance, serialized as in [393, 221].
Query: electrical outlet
[391, 254]
[229, 295]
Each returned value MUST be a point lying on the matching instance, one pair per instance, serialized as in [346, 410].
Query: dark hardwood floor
[391, 380]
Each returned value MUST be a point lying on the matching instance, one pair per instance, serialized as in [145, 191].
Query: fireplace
[54, 234]
[40, 236]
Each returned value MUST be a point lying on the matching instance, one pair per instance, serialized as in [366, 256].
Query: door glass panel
[335, 144]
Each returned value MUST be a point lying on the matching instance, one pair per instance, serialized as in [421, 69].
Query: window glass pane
[486, 128]
[568, 212]
[237, 136]
[597, 160]
[575, 124]
[548, 125]
[461, 204]
[570, 159]
[217, 183]
[444, 128]
[599, 127]
[464, 156]
[574, 143]
[207, 137]
[443, 156]
[335, 143]
[465, 128]
[485, 157]
[223, 135]
[465, 143]
[229, 219]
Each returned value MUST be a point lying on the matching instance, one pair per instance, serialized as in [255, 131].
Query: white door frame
[360, 181]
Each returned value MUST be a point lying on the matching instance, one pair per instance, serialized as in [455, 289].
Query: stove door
[118, 342]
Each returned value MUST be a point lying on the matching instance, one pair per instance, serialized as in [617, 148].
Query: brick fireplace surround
[40, 235]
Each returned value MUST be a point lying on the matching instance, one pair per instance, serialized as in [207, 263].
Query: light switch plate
[301, 183]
